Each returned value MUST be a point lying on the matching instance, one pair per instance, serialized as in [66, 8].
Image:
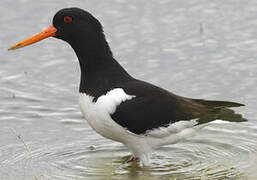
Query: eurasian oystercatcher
[138, 114]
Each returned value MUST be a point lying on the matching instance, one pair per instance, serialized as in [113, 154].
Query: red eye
[67, 19]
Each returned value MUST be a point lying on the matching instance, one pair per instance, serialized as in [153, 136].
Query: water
[196, 48]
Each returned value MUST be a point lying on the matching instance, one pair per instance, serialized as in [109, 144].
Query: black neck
[100, 72]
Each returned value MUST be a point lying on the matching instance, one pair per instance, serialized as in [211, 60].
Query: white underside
[98, 115]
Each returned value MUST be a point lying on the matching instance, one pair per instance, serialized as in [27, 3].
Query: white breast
[98, 113]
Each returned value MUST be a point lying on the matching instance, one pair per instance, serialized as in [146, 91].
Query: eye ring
[67, 19]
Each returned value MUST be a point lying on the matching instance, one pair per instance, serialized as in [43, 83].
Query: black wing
[154, 107]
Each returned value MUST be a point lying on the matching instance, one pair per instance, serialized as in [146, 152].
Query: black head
[74, 23]
[82, 31]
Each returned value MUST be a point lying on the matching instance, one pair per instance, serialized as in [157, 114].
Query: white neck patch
[112, 99]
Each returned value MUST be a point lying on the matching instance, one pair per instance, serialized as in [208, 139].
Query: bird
[138, 114]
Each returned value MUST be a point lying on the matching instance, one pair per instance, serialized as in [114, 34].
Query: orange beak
[48, 32]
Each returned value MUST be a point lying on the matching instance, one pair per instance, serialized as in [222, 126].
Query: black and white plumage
[119, 107]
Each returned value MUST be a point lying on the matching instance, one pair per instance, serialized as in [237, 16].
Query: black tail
[220, 110]
[216, 104]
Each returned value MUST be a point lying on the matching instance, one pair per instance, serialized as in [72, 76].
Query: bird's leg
[132, 158]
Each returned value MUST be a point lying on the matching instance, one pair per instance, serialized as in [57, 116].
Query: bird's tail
[220, 110]
[216, 104]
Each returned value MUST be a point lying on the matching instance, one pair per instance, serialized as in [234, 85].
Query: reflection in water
[38, 88]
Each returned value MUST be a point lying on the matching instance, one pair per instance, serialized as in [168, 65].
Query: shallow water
[198, 49]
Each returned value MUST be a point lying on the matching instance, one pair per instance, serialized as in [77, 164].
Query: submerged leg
[132, 158]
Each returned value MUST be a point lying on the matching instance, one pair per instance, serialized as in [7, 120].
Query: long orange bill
[48, 32]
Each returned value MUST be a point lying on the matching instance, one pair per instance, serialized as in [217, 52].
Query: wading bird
[138, 114]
